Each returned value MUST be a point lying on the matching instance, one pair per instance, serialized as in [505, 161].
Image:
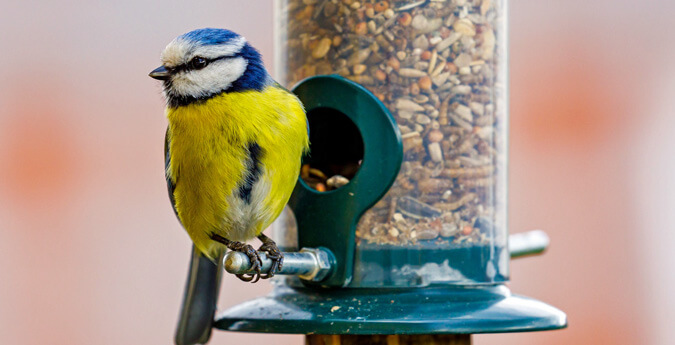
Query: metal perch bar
[528, 243]
[308, 263]
[314, 264]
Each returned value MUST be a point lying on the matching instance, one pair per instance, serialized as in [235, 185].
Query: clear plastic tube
[440, 68]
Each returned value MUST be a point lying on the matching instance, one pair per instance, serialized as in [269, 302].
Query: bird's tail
[199, 302]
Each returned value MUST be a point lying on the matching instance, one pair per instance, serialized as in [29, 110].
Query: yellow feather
[208, 149]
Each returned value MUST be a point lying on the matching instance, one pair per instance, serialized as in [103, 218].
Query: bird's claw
[274, 254]
[256, 264]
[253, 256]
[268, 247]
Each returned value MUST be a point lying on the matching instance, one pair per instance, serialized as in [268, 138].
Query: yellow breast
[209, 145]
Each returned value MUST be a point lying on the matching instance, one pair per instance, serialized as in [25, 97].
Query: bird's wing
[170, 185]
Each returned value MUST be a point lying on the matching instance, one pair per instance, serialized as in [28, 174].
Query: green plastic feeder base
[431, 310]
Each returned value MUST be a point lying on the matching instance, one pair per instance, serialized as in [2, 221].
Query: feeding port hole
[336, 150]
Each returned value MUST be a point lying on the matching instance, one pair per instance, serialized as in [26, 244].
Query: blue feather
[209, 36]
[255, 77]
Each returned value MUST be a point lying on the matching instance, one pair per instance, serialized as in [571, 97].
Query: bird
[233, 145]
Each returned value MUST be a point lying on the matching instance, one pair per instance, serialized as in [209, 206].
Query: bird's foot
[273, 252]
[254, 257]
[256, 262]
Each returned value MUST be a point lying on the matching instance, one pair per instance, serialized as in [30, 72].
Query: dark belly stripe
[252, 173]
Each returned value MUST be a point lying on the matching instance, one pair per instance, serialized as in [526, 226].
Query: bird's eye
[198, 62]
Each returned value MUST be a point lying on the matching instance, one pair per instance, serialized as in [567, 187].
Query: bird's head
[207, 62]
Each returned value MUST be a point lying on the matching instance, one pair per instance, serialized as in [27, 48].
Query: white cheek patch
[212, 79]
[215, 51]
[175, 52]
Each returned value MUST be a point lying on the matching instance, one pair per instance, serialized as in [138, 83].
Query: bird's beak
[160, 73]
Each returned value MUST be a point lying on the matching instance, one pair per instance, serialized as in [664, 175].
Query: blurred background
[91, 253]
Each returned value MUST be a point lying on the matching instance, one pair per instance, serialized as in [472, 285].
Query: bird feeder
[397, 225]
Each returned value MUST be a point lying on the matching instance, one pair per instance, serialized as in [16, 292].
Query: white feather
[215, 77]
[214, 51]
[175, 53]
[244, 219]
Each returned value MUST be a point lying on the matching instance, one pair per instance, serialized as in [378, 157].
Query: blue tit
[233, 145]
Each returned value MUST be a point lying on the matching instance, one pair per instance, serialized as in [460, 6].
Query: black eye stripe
[186, 66]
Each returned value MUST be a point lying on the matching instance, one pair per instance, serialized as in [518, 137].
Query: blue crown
[209, 36]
